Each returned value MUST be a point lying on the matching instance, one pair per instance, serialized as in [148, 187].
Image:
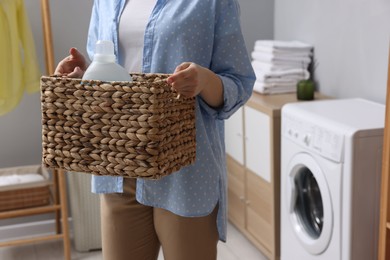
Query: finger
[76, 73]
[77, 58]
[59, 69]
[181, 73]
[186, 89]
[187, 92]
[181, 82]
[64, 67]
[182, 66]
[76, 54]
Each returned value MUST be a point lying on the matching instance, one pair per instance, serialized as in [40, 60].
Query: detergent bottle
[104, 66]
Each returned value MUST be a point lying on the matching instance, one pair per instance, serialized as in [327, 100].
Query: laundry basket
[139, 129]
[24, 187]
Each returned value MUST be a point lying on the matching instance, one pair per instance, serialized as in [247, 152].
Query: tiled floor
[236, 248]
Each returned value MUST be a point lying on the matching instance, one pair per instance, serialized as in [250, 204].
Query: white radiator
[85, 210]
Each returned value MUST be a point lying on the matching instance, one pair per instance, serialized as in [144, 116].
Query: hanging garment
[19, 69]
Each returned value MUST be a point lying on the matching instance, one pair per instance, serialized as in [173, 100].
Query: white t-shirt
[133, 21]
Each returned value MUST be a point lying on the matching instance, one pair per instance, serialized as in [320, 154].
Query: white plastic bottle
[103, 66]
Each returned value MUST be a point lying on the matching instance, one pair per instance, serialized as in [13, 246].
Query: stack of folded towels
[279, 65]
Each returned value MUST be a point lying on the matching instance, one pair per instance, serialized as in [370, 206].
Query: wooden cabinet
[253, 160]
[234, 134]
[257, 142]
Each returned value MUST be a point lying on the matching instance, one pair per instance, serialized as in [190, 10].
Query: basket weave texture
[136, 129]
[25, 195]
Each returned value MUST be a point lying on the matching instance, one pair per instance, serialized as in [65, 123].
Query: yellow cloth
[19, 69]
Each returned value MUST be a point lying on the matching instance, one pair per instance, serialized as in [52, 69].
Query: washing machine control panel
[317, 138]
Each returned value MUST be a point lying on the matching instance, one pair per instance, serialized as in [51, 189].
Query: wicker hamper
[131, 129]
[24, 195]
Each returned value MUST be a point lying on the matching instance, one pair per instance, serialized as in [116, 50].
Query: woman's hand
[72, 66]
[190, 79]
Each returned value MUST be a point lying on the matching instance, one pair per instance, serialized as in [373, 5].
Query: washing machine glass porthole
[308, 204]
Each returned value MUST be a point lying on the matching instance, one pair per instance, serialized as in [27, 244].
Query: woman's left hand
[187, 79]
[190, 79]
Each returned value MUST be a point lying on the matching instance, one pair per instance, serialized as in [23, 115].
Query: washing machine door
[309, 202]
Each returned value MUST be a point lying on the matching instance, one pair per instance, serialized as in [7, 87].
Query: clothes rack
[60, 204]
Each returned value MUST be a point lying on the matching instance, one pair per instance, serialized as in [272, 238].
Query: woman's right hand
[72, 66]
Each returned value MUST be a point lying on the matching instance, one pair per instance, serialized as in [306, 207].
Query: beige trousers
[132, 231]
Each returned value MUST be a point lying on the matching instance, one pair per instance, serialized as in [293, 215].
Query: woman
[200, 42]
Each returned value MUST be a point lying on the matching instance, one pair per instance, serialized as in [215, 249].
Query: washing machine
[331, 153]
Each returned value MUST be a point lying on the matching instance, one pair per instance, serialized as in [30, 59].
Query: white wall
[351, 41]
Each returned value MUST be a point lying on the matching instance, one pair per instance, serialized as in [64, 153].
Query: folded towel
[281, 80]
[292, 74]
[14, 179]
[283, 53]
[265, 88]
[284, 63]
[284, 45]
[275, 66]
[277, 81]
[262, 56]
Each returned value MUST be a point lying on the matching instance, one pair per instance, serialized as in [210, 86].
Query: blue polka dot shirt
[206, 32]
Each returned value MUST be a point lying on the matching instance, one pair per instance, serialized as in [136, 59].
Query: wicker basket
[25, 195]
[134, 129]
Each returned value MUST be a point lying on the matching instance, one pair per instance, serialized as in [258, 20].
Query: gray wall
[351, 41]
[20, 130]
[257, 20]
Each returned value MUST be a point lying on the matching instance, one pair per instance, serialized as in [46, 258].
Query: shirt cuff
[233, 99]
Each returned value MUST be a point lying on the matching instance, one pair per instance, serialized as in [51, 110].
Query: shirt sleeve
[93, 30]
[230, 61]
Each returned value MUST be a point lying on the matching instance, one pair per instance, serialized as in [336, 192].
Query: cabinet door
[236, 193]
[234, 139]
[260, 210]
[258, 142]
